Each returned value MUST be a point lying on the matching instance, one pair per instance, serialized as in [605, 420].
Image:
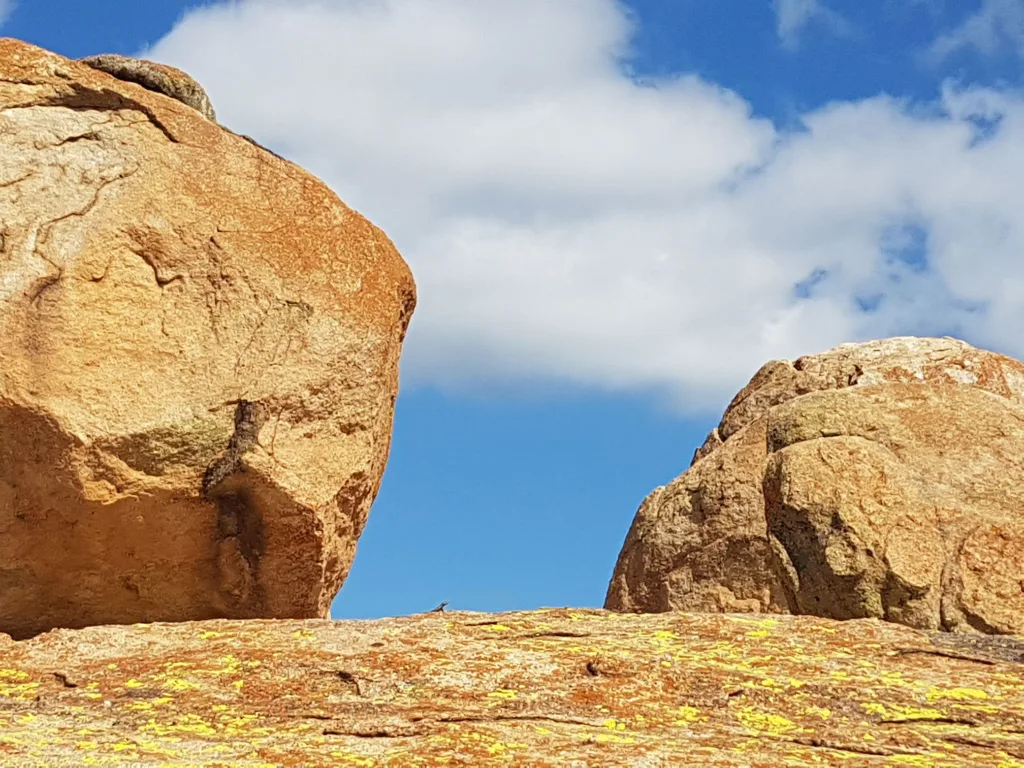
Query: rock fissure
[851, 749]
[44, 230]
[249, 419]
[240, 527]
[91, 135]
[82, 97]
[17, 180]
[162, 281]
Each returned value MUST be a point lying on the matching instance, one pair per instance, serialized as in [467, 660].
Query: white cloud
[792, 16]
[566, 224]
[997, 23]
[6, 9]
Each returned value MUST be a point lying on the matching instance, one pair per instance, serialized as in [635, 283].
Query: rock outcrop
[199, 361]
[881, 480]
[157, 77]
[545, 688]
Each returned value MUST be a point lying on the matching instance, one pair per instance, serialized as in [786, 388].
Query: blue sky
[615, 213]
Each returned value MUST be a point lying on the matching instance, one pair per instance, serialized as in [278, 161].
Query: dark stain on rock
[240, 528]
[240, 533]
[249, 418]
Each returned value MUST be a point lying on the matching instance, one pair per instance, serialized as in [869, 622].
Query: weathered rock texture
[882, 480]
[546, 688]
[199, 361]
[156, 77]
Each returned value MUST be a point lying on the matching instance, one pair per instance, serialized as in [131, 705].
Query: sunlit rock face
[880, 480]
[199, 361]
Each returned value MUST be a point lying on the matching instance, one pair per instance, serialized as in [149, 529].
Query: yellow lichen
[765, 722]
[923, 761]
[502, 748]
[902, 712]
[178, 685]
[959, 694]
[348, 757]
[502, 693]
[22, 691]
[688, 715]
[613, 738]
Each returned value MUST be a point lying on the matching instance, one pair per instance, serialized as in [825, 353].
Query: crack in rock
[240, 535]
[82, 97]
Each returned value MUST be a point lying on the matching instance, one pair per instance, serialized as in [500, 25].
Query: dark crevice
[979, 625]
[46, 228]
[350, 681]
[375, 733]
[82, 97]
[516, 718]
[25, 177]
[42, 285]
[945, 654]
[929, 721]
[90, 136]
[249, 419]
[240, 527]
[64, 681]
[996, 648]
[855, 749]
[161, 280]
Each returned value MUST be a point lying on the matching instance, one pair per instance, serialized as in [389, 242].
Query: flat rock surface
[544, 688]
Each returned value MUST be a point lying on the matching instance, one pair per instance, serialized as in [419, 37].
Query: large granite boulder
[199, 359]
[881, 480]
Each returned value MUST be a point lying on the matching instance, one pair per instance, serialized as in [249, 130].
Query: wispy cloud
[6, 9]
[793, 16]
[995, 25]
[568, 224]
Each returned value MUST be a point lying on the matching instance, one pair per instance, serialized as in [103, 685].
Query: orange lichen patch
[549, 688]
